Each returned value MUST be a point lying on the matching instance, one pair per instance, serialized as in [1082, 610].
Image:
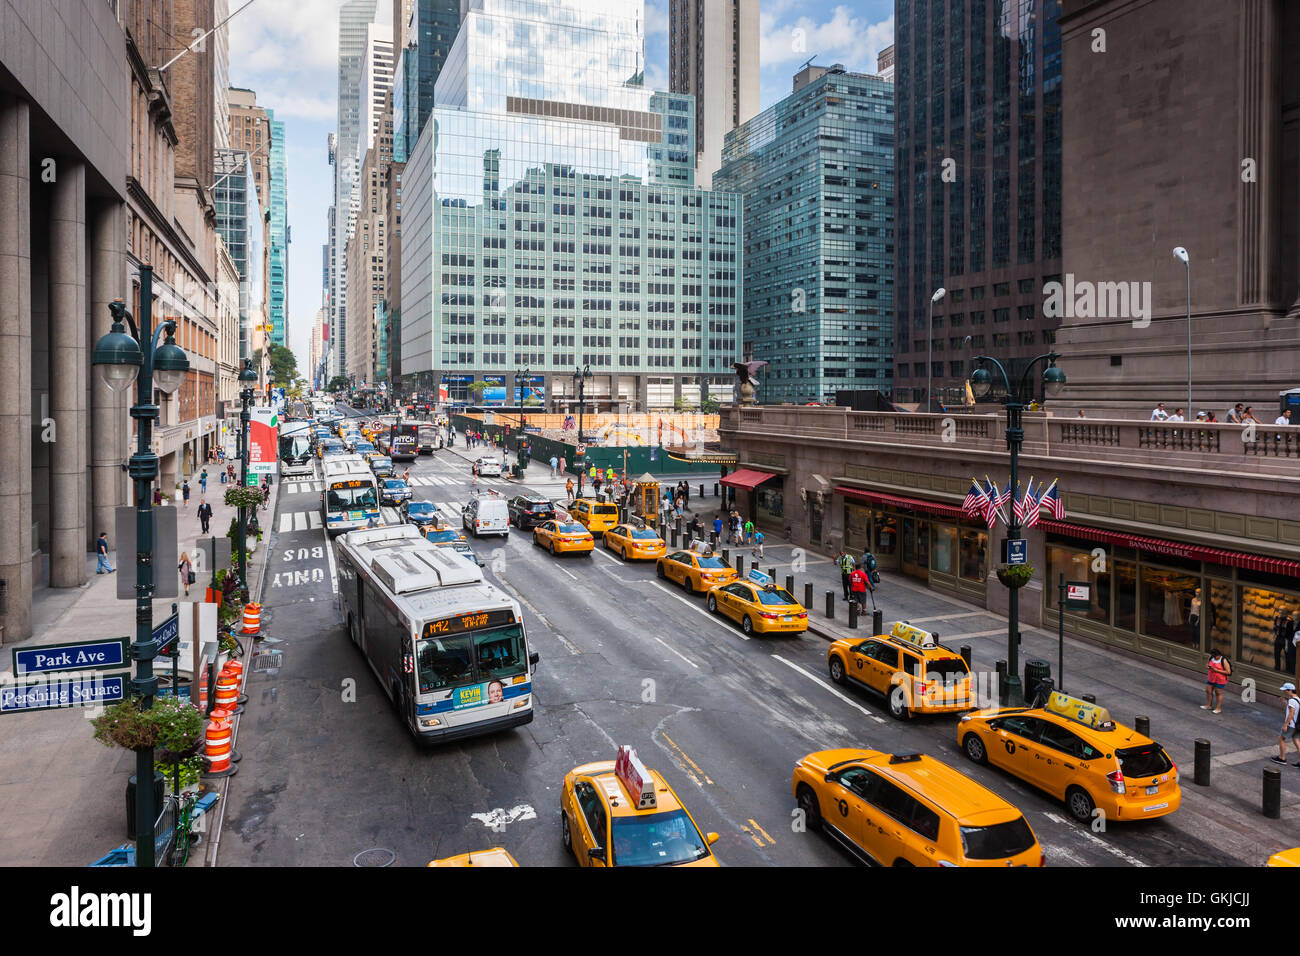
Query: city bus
[402, 443]
[449, 649]
[350, 498]
[295, 449]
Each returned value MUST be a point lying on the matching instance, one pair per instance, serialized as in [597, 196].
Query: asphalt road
[328, 770]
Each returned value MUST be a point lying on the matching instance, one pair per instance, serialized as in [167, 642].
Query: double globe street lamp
[248, 379]
[120, 359]
[1015, 400]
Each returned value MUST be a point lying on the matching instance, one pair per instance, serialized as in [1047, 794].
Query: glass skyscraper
[278, 271]
[550, 219]
[978, 100]
[239, 222]
[429, 37]
[816, 173]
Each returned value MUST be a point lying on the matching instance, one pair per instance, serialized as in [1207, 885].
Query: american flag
[1052, 499]
[991, 502]
[1030, 506]
[974, 502]
[1024, 500]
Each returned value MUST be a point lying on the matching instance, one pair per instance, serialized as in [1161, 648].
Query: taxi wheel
[837, 670]
[898, 702]
[812, 816]
[552, 549]
[536, 543]
[659, 570]
[1080, 804]
[974, 748]
[747, 625]
[565, 836]
[686, 585]
[713, 604]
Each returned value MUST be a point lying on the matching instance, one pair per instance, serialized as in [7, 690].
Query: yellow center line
[767, 835]
[753, 836]
[681, 753]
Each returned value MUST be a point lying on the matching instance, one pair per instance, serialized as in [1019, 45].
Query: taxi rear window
[606, 509]
[711, 562]
[776, 596]
[998, 841]
[1147, 761]
[644, 534]
[536, 506]
[947, 667]
[572, 528]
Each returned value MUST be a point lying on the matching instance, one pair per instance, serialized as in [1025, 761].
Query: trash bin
[158, 791]
[1035, 671]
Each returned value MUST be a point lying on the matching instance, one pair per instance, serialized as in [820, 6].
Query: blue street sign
[167, 632]
[1017, 551]
[78, 656]
[81, 690]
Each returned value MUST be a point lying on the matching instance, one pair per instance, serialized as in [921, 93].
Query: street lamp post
[580, 376]
[1015, 400]
[249, 378]
[939, 293]
[1181, 255]
[120, 358]
[526, 375]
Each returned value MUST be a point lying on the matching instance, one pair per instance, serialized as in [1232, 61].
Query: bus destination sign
[469, 622]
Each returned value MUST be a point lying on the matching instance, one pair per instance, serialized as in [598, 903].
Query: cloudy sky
[286, 51]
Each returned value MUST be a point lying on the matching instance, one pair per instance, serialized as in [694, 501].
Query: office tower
[818, 301]
[713, 55]
[425, 41]
[220, 41]
[277, 275]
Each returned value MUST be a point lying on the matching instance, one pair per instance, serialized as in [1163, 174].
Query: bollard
[1142, 724]
[715, 489]
[740, 565]
[1202, 767]
[674, 534]
[808, 595]
[713, 541]
[830, 604]
[1001, 668]
[789, 583]
[1090, 698]
[853, 615]
[965, 654]
[877, 621]
[771, 573]
[701, 490]
[1273, 793]
[726, 556]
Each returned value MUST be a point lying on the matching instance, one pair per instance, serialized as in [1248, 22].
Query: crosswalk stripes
[300, 521]
[296, 487]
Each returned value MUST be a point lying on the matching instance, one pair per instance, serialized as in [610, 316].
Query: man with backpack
[844, 561]
[858, 586]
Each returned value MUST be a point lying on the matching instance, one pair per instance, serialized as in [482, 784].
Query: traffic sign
[580, 450]
[1015, 551]
[1078, 596]
[71, 691]
[77, 656]
[167, 632]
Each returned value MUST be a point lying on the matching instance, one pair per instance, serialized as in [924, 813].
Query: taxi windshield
[574, 528]
[997, 842]
[657, 839]
[394, 484]
[644, 534]
[441, 537]
[422, 508]
[711, 562]
[775, 596]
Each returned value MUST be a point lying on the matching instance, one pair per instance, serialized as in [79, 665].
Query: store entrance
[916, 548]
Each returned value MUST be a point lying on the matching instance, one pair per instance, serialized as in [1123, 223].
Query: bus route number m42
[468, 622]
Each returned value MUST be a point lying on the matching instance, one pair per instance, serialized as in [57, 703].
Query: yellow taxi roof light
[1074, 708]
[915, 636]
[635, 778]
[913, 756]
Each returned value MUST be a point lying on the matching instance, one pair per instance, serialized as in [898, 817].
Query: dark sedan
[422, 514]
[528, 511]
[394, 491]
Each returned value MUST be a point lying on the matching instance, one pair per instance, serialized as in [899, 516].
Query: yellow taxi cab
[1071, 749]
[493, 857]
[563, 537]
[695, 571]
[1285, 858]
[630, 543]
[908, 809]
[757, 604]
[596, 516]
[908, 667]
[621, 813]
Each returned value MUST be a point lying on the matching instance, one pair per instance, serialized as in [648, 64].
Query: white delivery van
[486, 514]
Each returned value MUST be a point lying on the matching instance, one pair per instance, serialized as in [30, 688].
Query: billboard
[263, 441]
[531, 391]
[494, 389]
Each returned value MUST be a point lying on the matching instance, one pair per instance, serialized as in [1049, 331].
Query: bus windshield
[455, 660]
[352, 499]
[294, 446]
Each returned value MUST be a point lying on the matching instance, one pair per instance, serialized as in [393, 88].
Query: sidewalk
[62, 793]
[1225, 814]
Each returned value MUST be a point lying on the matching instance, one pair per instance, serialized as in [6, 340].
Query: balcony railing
[1261, 448]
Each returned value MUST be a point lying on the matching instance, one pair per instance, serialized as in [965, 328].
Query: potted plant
[171, 727]
[1015, 575]
[190, 768]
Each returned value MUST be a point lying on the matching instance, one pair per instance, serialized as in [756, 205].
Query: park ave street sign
[77, 656]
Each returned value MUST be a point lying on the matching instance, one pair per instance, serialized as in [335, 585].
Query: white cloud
[289, 56]
[845, 38]
[656, 17]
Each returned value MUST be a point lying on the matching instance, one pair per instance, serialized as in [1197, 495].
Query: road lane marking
[329, 553]
[678, 653]
[697, 610]
[692, 765]
[763, 833]
[817, 680]
[1093, 838]
[313, 520]
[286, 522]
[529, 604]
[569, 573]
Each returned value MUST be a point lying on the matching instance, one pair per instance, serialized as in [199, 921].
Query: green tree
[476, 390]
[710, 406]
[283, 364]
[339, 383]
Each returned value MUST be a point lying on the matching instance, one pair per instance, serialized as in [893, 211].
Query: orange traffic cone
[252, 618]
[217, 749]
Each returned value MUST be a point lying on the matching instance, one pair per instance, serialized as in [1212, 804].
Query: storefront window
[1268, 625]
[1166, 605]
[770, 502]
[814, 520]
[1077, 567]
[943, 549]
[856, 521]
[886, 539]
[1217, 612]
[974, 555]
[1125, 596]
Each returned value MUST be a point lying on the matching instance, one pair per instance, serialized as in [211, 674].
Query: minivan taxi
[909, 809]
[908, 667]
[597, 516]
[1071, 749]
[486, 515]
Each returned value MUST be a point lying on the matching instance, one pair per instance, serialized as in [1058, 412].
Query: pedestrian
[749, 530]
[205, 514]
[1158, 414]
[844, 561]
[1211, 419]
[203, 482]
[555, 462]
[1248, 416]
[1081, 414]
[1177, 416]
[1290, 723]
[1292, 642]
[758, 545]
[1284, 418]
[666, 504]
[868, 563]
[1216, 678]
[1234, 415]
[157, 496]
[858, 588]
[596, 479]
[406, 475]
[686, 495]
[717, 527]
[563, 464]
[187, 571]
[185, 492]
[568, 488]
[101, 552]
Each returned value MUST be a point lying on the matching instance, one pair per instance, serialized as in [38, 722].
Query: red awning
[911, 504]
[1179, 549]
[746, 478]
